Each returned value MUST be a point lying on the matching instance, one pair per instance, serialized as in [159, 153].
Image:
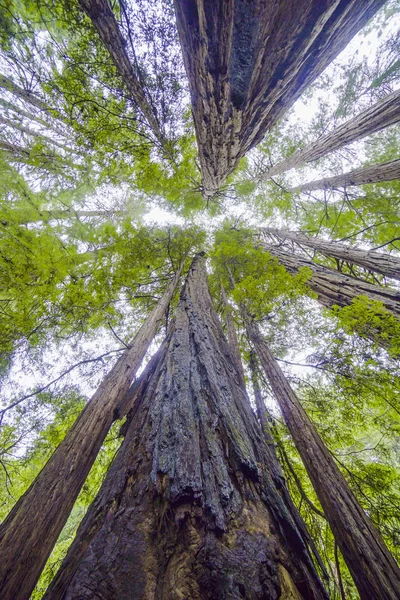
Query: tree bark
[371, 565]
[374, 118]
[247, 63]
[30, 531]
[387, 171]
[7, 84]
[194, 505]
[335, 288]
[260, 406]
[379, 262]
[105, 23]
[231, 334]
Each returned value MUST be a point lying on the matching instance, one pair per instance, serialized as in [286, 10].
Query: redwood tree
[47, 503]
[194, 505]
[375, 572]
[379, 262]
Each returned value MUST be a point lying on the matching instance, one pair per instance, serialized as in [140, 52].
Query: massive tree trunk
[371, 174]
[194, 505]
[372, 119]
[335, 288]
[247, 63]
[30, 531]
[379, 262]
[371, 565]
[103, 19]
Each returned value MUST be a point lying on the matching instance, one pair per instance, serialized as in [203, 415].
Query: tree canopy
[135, 135]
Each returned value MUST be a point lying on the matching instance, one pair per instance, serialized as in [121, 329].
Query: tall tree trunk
[37, 135]
[335, 288]
[231, 334]
[379, 262]
[7, 84]
[194, 505]
[104, 21]
[260, 406]
[371, 565]
[371, 174]
[247, 63]
[372, 119]
[30, 531]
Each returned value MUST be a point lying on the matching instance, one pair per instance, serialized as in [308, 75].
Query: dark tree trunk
[104, 21]
[387, 171]
[247, 63]
[379, 262]
[371, 565]
[194, 505]
[372, 119]
[335, 288]
[30, 531]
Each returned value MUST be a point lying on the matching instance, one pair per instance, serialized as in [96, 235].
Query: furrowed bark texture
[379, 262]
[195, 503]
[387, 171]
[374, 118]
[334, 287]
[247, 63]
[30, 531]
[104, 21]
[371, 565]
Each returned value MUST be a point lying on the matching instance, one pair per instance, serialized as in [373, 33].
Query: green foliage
[369, 318]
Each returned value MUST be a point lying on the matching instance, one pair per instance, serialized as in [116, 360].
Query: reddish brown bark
[30, 531]
[387, 171]
[247, 62]
[371, 565]
[380, 262]
[194, 505]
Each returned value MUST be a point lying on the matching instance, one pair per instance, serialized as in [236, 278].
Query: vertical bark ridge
[247, 63]
[197, 506]
[371, 565]
[379, 262]
[46, 505]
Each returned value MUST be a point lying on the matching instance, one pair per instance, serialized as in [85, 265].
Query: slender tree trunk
[7, 84]
[37, 135]
[194, 505]
[231, 334]
[30, 531]
[334, 288]
[379, 262]
[371, 565]
[104, 21]
[371, 174]
[261, 412]
[247, 63]
[372, 119]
